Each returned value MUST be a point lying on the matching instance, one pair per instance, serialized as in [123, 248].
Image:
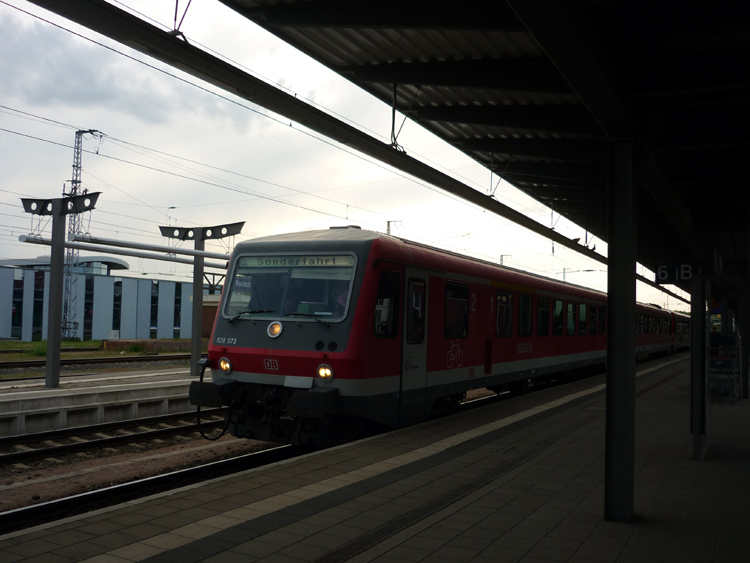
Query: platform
[27, 406]
[519, 480]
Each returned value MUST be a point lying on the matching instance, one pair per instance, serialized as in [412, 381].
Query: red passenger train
[321, 329]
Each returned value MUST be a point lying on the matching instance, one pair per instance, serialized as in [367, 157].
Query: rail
[29, 447]
[95, 361]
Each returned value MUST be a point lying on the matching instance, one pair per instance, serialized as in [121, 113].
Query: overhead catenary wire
[337, 146]
[182, 176]
[255, 195]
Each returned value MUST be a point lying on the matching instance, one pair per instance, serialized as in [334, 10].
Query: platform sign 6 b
[674, 273]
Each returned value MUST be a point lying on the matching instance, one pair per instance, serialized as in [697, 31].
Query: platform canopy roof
[532, 89]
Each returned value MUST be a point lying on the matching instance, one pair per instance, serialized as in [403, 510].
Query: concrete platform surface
[519, 480]
[27, 406]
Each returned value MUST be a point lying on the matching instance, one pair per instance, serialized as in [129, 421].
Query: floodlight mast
[199, 235]
[58, 209]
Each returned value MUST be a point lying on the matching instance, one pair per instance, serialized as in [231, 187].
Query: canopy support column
[699, 365]
[744, 330]
[56, 290]
[196, 339]
[620, 400]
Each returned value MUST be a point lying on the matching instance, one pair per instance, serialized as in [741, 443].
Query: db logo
[271, 364]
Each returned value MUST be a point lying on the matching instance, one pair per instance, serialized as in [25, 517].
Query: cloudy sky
[176, 151]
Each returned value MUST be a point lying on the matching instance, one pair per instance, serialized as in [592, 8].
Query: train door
[414, 368]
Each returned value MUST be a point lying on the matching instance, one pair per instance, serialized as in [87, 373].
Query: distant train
[321, 330]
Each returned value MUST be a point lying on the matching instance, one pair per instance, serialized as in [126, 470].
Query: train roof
[354, 234]
[334, 234]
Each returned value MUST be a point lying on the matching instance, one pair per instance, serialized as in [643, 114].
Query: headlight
[274, 329]
[225, 365]
[325, 372]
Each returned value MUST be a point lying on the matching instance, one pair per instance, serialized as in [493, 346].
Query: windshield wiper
[310, 315]
[249, 312]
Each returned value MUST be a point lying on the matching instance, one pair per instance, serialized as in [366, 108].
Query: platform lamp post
[58, 208]
[199, 235]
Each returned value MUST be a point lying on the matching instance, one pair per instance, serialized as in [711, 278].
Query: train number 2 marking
[223, 340]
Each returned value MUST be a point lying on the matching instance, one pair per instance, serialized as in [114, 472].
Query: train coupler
[315, 403]
[212, 394]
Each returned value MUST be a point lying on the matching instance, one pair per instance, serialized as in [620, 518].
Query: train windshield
[292, 285]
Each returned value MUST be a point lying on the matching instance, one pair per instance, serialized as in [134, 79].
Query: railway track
[95, 361]
[56, 443]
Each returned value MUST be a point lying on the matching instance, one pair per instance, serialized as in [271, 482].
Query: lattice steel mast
[75, 226]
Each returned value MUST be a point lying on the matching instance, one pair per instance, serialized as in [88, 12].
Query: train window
[582, 318]
[525, 313]
[415, 312]
[456, 310]
[571, 326]
[592, 319]
[504, 324]
[602, 320]
[557, 318]
[542, 316]
[289, 285]
[386, 305]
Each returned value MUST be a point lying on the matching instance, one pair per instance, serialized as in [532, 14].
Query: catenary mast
[75, 226]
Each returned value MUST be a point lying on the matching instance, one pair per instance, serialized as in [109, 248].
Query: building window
[154, 307]
[542, 316]
[88, 308]
[17, 317]
[117, 305]
[36, 331]
[456, 322]
[504, 323]
[177, 309]
[524, 314]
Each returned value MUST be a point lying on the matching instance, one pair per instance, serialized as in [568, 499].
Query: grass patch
[66, 343]
[40, 349]
[135, 349]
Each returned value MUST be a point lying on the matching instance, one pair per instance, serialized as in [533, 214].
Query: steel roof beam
[553, 29]
[565, 119]
[386, 14]
[569, 194]
[125, 28]
[695, 194]
[653, 180]
[584, 173]
[572, 150]
[528, 74]
[550, 24]
[520, 180]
